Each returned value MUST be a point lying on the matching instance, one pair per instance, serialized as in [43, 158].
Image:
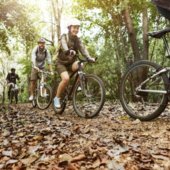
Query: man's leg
[34, 76]
[10, 86]
[33, 82]
[164, 12]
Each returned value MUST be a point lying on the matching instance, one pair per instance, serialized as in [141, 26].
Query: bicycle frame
[42, 82]
[164, 70]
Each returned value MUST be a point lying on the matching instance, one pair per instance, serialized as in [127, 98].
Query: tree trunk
[131, 32]
[57, 16]
[145, 30]
[122, 40]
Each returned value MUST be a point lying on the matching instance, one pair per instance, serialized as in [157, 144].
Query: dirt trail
[39, 139]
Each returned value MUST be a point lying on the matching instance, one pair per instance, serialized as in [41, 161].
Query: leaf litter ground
[32, 139]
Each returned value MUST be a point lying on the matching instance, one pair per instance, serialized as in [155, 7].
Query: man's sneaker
[31, 98]
[57, 102]
[45, 95]
[79, 88]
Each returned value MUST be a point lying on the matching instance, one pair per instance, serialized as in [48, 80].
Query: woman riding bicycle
[66, 60]
[163, 7]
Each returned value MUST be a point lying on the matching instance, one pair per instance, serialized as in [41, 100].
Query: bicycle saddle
[158, 34]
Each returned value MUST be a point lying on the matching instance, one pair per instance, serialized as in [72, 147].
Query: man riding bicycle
[39, 55]
[163, 7]
[11, 80]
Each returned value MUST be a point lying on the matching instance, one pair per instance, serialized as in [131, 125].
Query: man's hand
[52, 73]
[36, 68]
[72, 52]
[19, 81]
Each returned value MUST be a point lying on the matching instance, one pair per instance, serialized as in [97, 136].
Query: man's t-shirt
[12, 77]
[40, 57]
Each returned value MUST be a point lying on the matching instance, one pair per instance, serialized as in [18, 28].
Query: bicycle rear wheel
[89, 105]
[43, 102]
[143, 105]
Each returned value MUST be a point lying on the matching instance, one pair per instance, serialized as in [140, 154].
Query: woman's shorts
[60, 68]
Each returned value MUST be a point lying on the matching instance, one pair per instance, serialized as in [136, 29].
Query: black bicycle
[145, 87]
[88, 101]
[42, 93]
[13, 94]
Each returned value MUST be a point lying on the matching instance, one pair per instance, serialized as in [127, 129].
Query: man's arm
[17, 77]
[33, 59]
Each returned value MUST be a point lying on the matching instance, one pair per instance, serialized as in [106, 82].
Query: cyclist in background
[39, 55]
[11, 80]
[163, 7]
[66, 60]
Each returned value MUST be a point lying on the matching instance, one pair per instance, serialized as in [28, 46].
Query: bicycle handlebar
[45, 72]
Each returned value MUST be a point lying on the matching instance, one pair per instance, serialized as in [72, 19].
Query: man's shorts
[12, 84]
[34, 73]
[60, 68]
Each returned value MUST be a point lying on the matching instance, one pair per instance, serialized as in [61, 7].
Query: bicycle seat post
[166, 44]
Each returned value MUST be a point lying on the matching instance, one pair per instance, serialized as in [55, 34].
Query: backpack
[58, 48]
[45, 52]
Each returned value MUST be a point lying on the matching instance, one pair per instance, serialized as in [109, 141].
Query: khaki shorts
[34, 74]
[60, 68]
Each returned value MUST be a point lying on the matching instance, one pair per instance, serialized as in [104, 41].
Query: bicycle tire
[137, 106]
[94, 90]
[63, 104]
[44, 102]
[34, 103]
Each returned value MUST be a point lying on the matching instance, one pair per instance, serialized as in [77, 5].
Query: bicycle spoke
[44, 100]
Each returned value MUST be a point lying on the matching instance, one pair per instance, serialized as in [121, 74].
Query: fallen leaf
[78, 158]
[29, 160]
[38, 138]
[113, 165]
[71, 167]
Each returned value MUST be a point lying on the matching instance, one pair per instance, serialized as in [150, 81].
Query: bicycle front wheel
[44, 101]
[34, 103]
[90, 103]
[144, 105]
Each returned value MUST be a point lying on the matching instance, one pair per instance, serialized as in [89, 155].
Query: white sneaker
[45, 95]
[79, 88]
[30, 98]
